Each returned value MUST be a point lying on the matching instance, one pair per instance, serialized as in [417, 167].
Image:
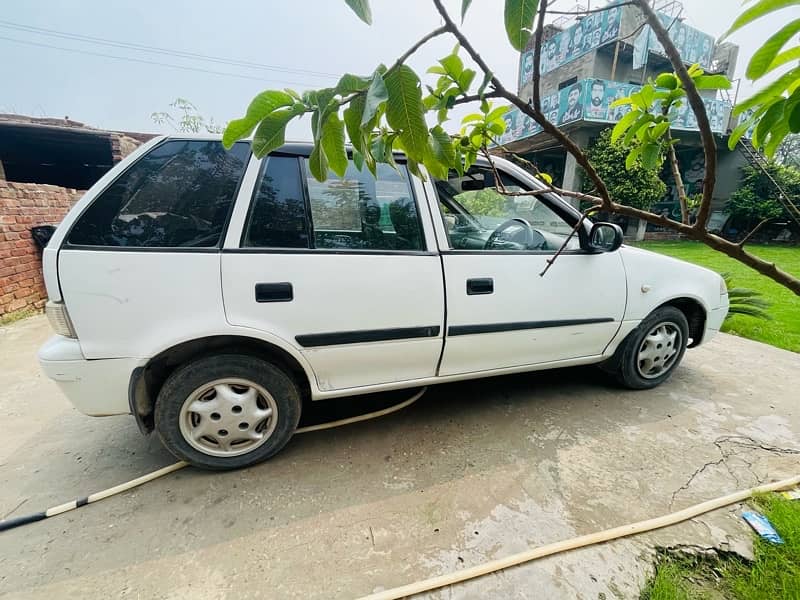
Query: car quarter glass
[179, 195]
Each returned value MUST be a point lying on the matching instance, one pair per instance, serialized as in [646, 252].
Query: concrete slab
[472, 472]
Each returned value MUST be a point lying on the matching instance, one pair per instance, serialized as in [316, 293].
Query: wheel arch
[146, 381]
[695, 313]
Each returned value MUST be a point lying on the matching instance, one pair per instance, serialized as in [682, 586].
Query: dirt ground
[471, 472]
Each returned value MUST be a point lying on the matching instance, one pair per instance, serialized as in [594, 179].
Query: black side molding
[311, 340]
[497, 327]
[480, 286]
[274, 292]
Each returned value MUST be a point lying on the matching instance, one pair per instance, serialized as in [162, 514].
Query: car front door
[346, 271]
[501, 312]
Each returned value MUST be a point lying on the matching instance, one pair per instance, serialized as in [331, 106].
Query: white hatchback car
[209, 293]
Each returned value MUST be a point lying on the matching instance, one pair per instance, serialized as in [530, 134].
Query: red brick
[16, 305]
[11, 236]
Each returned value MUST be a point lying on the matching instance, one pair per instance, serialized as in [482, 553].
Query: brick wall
[22, 206]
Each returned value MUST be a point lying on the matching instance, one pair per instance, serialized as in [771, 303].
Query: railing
[590, 100]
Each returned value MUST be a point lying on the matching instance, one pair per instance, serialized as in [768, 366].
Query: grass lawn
[783, 330]
[774, 575]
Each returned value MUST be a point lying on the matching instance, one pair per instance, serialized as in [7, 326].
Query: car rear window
[179, 195]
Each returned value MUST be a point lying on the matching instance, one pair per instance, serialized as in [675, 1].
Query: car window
[478, 217]
[277, 216]
[178, 195]
[362, 212]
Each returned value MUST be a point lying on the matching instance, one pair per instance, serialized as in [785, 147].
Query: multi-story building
[588, 63]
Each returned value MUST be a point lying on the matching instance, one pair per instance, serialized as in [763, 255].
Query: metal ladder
[758, 161]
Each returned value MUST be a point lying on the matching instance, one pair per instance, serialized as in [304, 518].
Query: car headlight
[59, 319]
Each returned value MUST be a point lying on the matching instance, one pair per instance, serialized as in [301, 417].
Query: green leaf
[634, 129]
[777, 134]
[442, 146]
[497, 113]
[547, 178]
[358, 160]
[519, 15]
[784, 57]
[660, 129]
[776, 88]
[650, 155]
[465, 80]
[332, 141]
[766, 123]
[376, 95]
[464, 8]
[794, 119]
[622, 125]
[260, 107]
[362, 10]
[271, 132]
[436, 70]
[318, 163]
[404, 110]
[350, 83]
[633, 156]
[761, 8]
[764, 56]
[712, 82]
[453, 66]
[621, 102]
[667, 80]
[472, 117]
[352, 121]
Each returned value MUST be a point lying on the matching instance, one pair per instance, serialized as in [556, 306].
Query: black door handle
[480, 286]
[274, 292]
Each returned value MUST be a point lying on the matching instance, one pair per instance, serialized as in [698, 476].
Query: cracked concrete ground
[471, 472]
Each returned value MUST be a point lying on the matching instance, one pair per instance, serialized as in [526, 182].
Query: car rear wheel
[227, 412]
[653, 350]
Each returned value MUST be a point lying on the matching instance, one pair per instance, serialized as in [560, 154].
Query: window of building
[179, 195]
[277, 216]
[362, 212]
[567, 83]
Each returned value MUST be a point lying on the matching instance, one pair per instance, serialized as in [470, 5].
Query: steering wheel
[533, 239]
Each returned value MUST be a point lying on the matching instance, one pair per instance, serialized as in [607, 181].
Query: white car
[209, 293]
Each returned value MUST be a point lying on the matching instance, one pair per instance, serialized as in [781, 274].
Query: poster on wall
[591, 100]
[598, 29]
[594, 30]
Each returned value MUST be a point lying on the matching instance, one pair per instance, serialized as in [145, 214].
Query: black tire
[624, 365]
[185, 380]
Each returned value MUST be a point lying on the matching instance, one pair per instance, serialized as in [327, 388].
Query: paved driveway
[471, 472]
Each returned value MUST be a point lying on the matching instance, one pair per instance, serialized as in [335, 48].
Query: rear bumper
[95, 387]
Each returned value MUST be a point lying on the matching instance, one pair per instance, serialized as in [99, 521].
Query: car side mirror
[605, 237]
[41, 234]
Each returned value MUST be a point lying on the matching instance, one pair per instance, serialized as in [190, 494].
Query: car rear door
[501, 312]
[346, 271]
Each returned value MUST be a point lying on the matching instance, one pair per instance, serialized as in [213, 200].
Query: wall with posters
[601, 28]
[591, 99]
[591, 32]
[694, 45]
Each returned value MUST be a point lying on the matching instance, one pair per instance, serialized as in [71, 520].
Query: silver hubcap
[659, 350]
[228, 417]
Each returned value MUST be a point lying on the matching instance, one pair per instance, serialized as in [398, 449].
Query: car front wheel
[653, 350]
[227, 411]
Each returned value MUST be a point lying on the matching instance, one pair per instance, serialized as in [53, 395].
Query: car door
[346, 271]
[501, 312]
